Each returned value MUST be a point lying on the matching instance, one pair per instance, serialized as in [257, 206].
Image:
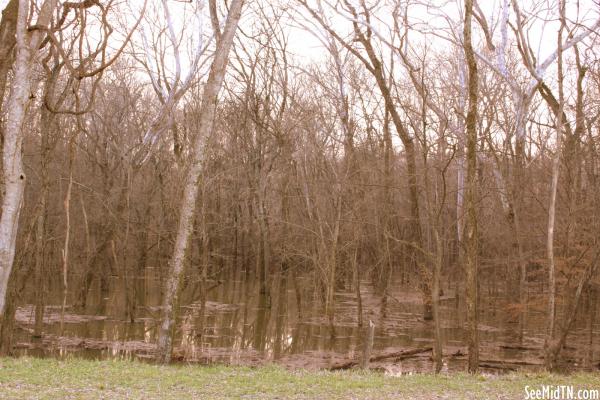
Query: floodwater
[239, 326]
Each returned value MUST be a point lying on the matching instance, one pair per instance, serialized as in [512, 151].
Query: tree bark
[8, 26]
[14, 176]
[470, 197]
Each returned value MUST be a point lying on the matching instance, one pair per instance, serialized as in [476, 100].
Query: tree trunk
[550, 346]
[591, 308]
[437, 272]
[470, 197]
[8, 26]
[14, 176]
[264, 254]
[7, 320]
[190, 195]
[369, 335]
[47, 125]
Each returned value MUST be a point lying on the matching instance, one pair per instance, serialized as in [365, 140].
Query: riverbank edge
[26, 378]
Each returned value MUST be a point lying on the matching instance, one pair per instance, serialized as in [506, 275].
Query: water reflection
[239, 325]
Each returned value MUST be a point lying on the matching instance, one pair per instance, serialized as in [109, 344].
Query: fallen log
[518, 347]
[511, 362]
[494, 366]
[396, 356]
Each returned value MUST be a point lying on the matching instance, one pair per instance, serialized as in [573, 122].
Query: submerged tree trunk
[437, 333]
[41, 223]
[190, 195]
[554, 345]
[591, 309]
[332, 263]
[7, 320]
[470, 197]
[264, 245]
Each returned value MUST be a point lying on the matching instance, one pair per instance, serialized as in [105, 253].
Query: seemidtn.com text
[560, 392]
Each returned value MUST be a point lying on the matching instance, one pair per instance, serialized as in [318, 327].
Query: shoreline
[73, 378]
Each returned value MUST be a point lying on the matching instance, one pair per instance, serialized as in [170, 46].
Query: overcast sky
[305, 46]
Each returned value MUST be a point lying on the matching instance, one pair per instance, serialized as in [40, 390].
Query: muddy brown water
[239, 326]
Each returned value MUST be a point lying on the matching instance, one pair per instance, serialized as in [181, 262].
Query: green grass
[31, 378]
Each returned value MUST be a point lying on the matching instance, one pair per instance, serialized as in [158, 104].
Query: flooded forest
[403, 185]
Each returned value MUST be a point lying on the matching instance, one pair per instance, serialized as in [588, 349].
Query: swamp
[373, 189]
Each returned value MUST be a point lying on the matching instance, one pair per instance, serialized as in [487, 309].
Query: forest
[328, 184]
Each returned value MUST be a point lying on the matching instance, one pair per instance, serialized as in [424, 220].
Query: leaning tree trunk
[550, 352]
[190, 195]
[470, 200]
[12, 163]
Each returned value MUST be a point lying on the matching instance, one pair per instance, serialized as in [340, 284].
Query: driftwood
[495, 366]
[510, 362]
[517, 347]
[396, 356]
[505, 364]
[457, 353]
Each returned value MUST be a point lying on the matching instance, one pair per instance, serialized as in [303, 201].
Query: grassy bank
[29, 378]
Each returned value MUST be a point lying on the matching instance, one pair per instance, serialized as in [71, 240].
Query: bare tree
[190, 195]
[14, 176]
[30, 39]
